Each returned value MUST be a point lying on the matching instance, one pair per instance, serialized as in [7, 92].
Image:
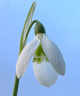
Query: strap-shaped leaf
[27, 23]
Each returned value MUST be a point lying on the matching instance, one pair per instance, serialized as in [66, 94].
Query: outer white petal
[44, 73]
[53, 54]
[25, 57]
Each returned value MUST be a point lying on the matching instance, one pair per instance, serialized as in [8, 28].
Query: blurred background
[61, 19]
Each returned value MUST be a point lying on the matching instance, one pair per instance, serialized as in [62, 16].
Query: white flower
[47, 66]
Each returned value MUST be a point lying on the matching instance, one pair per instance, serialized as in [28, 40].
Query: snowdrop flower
[48, 62]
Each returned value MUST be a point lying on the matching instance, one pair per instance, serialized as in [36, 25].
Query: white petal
[25, 57]
[54, 55]
[44, 73]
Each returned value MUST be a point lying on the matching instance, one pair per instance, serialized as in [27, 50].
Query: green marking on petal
[39, 51]
[37, 60]
[39, 55]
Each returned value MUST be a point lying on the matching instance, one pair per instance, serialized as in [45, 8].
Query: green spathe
[27, 23]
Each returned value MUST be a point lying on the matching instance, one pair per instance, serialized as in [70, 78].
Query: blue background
[61, 19]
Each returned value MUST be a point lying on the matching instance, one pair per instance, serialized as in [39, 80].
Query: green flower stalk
[48, 62]
[27, 26]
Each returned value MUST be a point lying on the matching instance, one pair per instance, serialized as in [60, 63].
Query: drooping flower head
[48, 62]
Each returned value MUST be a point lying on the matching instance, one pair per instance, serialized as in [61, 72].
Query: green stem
[23, 44]
[16, 85]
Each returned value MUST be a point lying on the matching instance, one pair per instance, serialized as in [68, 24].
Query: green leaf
[27, 23]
